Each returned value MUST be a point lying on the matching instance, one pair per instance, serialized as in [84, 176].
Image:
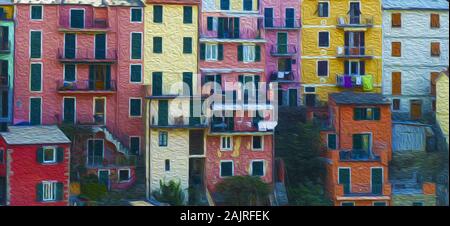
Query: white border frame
[220, 168]
[131, 44]
[54, 184]
[75, 107]
[159, 137]
[54, 155]
[318, 40]
[142, 79]
[262, 143]
[231, 143]
[42, 13]
[329, 8]
[64, 72]
[264, 167]
[104, 106]
[29, 108]
[142, 15]
[350, 176]
[382, 177]
[87, 149]
[84, 17]
[118, 175]
[317, 69]
[129, 107]
[29, 45]
[106, 44]
[42, 78]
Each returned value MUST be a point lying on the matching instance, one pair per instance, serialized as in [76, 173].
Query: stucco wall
[442, 100]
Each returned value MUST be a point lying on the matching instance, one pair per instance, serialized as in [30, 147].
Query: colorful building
[358, 142]
[239, 140]
[415, 51]
[174, 135]
[442, 100]
[282, 26]
[6, 60]
[406, 193]
[341, 48]
[81, 65]
[34, 166]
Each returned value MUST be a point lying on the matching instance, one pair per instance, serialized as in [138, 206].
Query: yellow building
[442, 100]
[174, 139]
[341, 48]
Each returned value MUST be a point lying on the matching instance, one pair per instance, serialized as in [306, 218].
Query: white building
[415, 50]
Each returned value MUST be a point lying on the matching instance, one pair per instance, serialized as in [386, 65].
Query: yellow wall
[311, 53]
[9, 9]
[442, 100]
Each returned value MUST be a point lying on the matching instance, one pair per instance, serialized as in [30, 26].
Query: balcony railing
[354, 52]
[99, 161]
[242, 34]
[84, 55]
[349, 81]
[363, 189]
[283, 50]
[281, 23]
[355, 21]
[5, 46]
[87, 86]
[283, 76]
[358, 155]
[95, 24]
[180, 122]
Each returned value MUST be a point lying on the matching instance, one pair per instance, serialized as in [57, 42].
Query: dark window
[310, 89]
[257, 142]
[157, 80]
[163, 139]
[366, 114]
[135, 145]
[69, 110]
[136, 15]
[136, 73]
[36, 77]
[347, 204]
[396, 104]
[225, 4]
[124, 175]
[35, 44]
[379, 204]
[157, 14]
[135, 107]
[2, 157]
[187, 14]
[36, 12]
[258, 168]
[167, 165]
[136, 45]
[324, 40]
[322, 68]
[69, 72]
[77, 18]
[187, 45]
[396, 20]
[210, 22]
[35, 111]
[332, 141]
[157, 45]
[226, 169]
[248, 5]
[323, 9]
[361, 142]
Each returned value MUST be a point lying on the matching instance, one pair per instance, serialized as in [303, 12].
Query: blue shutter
[187, 45]
[210, 23]
[202, 51]
[39, 191]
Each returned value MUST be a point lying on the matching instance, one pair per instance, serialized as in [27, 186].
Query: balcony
[363, 191]
[283, 76]
[358, 155]
[281, 24]
[94, 25]
[5, 47]
[87, 56]
[118, 161]
[180, 122]
[349, 81]
[354, 52]
[283, 50]
[253, 36]
[87, 86]
[350, 21]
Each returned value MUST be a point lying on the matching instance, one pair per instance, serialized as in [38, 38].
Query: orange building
[358, 139]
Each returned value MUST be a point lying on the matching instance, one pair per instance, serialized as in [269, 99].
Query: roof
[415, 4]
[34, 135]
[358, 98]
[96, 3]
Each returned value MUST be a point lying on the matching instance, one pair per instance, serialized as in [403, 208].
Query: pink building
[81, 64]
[282, 31]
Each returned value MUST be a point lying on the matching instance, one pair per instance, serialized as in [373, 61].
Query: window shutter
[257, 53]
[202, 51]
[157, 83]
[396, 20]
[187, 45]
[257, 79]
[210, 23]
[357, 113]
[136, 40]
[108, 77]
[187, 14]
[35, 111]
[219, 79]
[157, 44]
[59, 191]
[35, 44]
[220, 52]
[39, 188]
[236, 28]
[357, 141]
[376, 113]
[240, 53]
[36, 77]
[91, 77]
[396, 49]
[40, 155]
[157, 14]
[332, 141]
[362, 67]
[435, 49]
[346, 67]
[396, 83]
[435, 21]
[163, 113]
[59, 154]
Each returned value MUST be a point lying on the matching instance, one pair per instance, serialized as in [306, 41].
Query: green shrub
[93, 191]
[170, 193]
[243, 191]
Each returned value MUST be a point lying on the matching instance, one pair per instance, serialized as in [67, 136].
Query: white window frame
[129, 107]
[84, 16]
[358, 67]
[225, 148]
[262, 143]
[249, 53]
[48, 191]
[64, 72]
[118, 175]
[159, 138]
[131, 44]
[29, 107]
[54, 154]
[104, 106]
[75, 107]
[129, 141]
[131, 15]
[140, 73]
[328, 3]
[264, 167]
[350, 176]
[42, 78]
[29, 45]
[220, 168]
[318, 39]
[42, 12]
[211, 52]
[328, 69]
[304, 89]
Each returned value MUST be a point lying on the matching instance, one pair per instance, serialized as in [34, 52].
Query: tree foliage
[170, 193]
[243, 191]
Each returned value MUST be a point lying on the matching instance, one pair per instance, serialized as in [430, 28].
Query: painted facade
[408, 76]
[282, 26]
[358, 149]
[351, 58]
[6, 60]
[71, 75]
[34, 170]
[442, 100]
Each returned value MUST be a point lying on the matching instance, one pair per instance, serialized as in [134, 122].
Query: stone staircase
[110, 137]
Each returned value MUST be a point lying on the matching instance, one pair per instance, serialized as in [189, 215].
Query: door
[163, 113]
[157, 83]
[99, 110]
[416, 109]
[268, 17]
[377, 180]
[100, 77]
[355, 13]
[103, 177]
[282, 41]
[310, 100]
[290, 17]
[344, 179]
[70, 46]
[95, 152]
[2, 190]
[77, 18]
[100, 46]
[293, 97]
[69, 110]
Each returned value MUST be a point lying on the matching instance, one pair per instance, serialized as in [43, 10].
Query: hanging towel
[358, 80]
[367, 82]
[347, 82]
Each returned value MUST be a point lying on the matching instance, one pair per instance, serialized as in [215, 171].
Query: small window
[366, 114]
[332, 141]
[211, 52]
[135, 107]
[157, 14]
[435, 49]
[2, 156]
[187, 14]
[257, 142]
[210, 23]
[396, 20]
[135, 145]
[136, 45]
[249, 53]
[224, 4]
[435, 20]
[136, 73]
[167, 165]
[36, 12]
[396, 48]
[323, 9]
[258, 168]
[124, 175]
[136, 14]
[396, 104]
[322, 68]
[48, 191]
[49, 155]
[248, 5]
[324, 39]
[226, 169]
[309, 89]
[163, 139]
[187, 45]
[157, 45]
[226, 143]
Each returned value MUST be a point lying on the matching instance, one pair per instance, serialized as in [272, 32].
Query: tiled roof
[34, 135]
[84, 2]
[358, 98]
[415, 4]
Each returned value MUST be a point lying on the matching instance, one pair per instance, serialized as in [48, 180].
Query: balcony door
[268, 17]
[376, 175]
[99, 77]
[354, 13]
[354, 43]
[69, 110]
[100, 110]
[282, 43]
[100, 46]
[70, 46]
[77, 18]
[362, 146]
[163, 113]
[229, 27]
[290, 17]
[344, 179]
[95, 152]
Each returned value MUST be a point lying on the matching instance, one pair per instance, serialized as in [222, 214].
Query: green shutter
[136, 15]
[135, 107]
[108, 77]
[39, 188]
[59, 191]
[187, 45]
[236, 32]
[40, 155]
[157, 45]
[136, 42]
[100, 46]
[77, 18]
[344, 179]
[91, 77]
[376, 113]
[377, 180]
[187, 14]
[69, 46]
[357, 141]
[36, 12]
[59, 154]
[220, 52]
[69, 110]
[35, 111]
[187, 80]
[257, 79]
[357, 113]
[240, 53]
[163, 113]
[202, 51]
[332, 141]
[69, 72]
[36, 77]
[157, 83]
[136, 71]
[157, 14]
[257, 53]
[35, 44]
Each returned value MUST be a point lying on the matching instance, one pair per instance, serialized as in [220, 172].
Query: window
[77, 18]
[136, 14]
[48, 191]
[324, 39]
[332, 141]
[124, 175]
[366, 114]
[36, 12]
[95, 151]
[35, 110]
[226, 168]
[257, 168]
[323, 9]
[322, 68]
[248, 5]
[396, 20]
[135, 145]
[310, 89]
[49, 155]
[211, 52]
[435, 20]
[157, 45]
[136, 45]
[257, 142]
[157, 14]
[2, 156]
[396, 104]
[417, 203]
[135, 107]
[187, 45]
[187, 14]
[433, 77]
[396, 83]
[396, 48]
[379, 204]
[362, 142]
[70, 72]
[136, 73]
[167, 165]
[249, 53]
[36, 77]
[226, 143]
[35, 44]
[210, 23]
[163, 139]
[435, 49]
[224, 4]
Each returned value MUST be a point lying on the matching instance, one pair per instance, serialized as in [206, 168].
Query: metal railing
[362, 189]
[283, 49]
[181, 122]
[85, 54]
[233, 34]
[87, 85]
[283, 23]
[94, 23]
[355, 21]
[358, 155]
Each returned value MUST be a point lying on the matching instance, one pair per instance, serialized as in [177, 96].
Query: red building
[359, 147]
[34, 166]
